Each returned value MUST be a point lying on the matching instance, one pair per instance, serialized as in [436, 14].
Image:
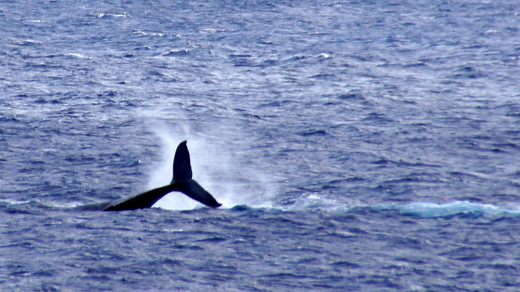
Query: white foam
[316, 201]
[430, 210]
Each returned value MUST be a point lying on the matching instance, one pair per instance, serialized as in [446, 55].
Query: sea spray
[216, 168]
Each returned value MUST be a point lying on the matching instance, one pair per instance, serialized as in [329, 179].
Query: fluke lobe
[182, 182]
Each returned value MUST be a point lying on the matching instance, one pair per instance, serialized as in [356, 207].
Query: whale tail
[182, 177]
[182, 164]
[182, 182]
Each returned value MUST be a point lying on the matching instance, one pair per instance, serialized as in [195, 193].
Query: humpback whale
[181, 182]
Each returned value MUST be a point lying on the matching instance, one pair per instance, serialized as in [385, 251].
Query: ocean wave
[434, 210]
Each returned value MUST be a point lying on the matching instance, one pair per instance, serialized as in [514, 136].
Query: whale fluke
[182, 164]
[141, 201]
[181, 182]
[192, 189]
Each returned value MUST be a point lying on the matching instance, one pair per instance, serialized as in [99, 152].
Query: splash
[230, 182]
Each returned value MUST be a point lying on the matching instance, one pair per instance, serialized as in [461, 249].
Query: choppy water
[355, 145]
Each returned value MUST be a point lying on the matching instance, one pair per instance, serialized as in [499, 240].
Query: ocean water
[355, 145]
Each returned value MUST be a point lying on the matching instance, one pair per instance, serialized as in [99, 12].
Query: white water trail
[434, 210]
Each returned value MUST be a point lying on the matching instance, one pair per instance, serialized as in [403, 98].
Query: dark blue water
[356, 145]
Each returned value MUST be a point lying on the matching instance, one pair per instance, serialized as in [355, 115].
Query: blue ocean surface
[355, 145]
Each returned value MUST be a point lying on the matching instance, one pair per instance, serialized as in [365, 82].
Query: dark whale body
[182, 182]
